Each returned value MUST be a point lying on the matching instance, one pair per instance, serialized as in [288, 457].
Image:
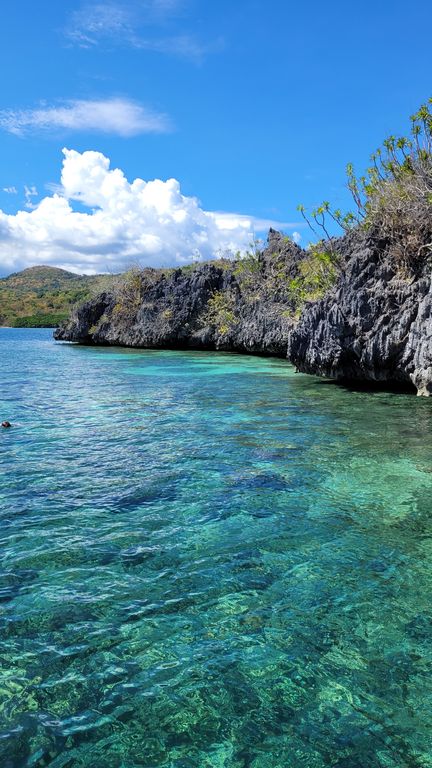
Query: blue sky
[252, 106]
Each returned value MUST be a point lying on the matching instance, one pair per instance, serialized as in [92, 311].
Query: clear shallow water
[209, 561]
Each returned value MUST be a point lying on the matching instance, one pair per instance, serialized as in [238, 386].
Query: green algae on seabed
[209, 561]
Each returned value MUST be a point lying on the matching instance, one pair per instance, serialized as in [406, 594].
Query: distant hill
[43, 296]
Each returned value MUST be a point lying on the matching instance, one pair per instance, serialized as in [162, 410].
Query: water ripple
[209, 562]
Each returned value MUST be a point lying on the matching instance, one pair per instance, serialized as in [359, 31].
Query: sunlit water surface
[209, 561]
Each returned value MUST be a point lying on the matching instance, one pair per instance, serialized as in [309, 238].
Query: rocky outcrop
[374, 326]
[243, 306]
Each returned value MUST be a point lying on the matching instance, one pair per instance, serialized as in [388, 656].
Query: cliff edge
[243, 306]
[352, 314]
[375, 325]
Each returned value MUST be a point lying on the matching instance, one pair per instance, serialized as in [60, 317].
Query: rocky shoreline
[374, 326]
[242, 306]
[371, 322]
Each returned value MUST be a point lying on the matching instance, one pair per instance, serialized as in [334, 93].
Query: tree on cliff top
[394, 198]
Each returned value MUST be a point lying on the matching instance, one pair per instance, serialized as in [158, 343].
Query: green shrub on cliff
[220, 312]
[248, 264]
[394, 198]
[128, 295]
[317, 273]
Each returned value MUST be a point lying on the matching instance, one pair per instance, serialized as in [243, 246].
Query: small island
[354, 308]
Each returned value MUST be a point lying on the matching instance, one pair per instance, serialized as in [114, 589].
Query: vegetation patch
[44, 296]
[393, 199]
[129, 295]
[220, 312]
[318, 273]
[248, 266]
[49, 320]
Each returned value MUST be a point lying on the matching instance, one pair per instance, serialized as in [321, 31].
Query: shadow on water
[352, 385]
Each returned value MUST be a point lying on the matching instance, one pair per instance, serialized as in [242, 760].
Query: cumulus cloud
[146, 222]
[118, 116]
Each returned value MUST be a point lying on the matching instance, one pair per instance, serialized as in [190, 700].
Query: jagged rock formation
[244, 306]
[374, 324]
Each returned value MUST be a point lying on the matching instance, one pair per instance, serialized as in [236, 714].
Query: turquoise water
[209, 561]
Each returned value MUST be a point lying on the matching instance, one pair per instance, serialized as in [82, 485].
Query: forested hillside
[43, 296]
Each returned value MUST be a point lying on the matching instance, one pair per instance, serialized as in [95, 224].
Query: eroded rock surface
[241, 306]
[374, 326]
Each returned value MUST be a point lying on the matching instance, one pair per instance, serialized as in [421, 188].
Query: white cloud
[135, 25]
[10, 190]
[93, 22]
[296, 236]
[145, 222]
[178, 45]
[118, 116]
[30, 192]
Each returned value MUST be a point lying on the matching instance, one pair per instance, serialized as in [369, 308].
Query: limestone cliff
[374, 324]
[244, 306]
